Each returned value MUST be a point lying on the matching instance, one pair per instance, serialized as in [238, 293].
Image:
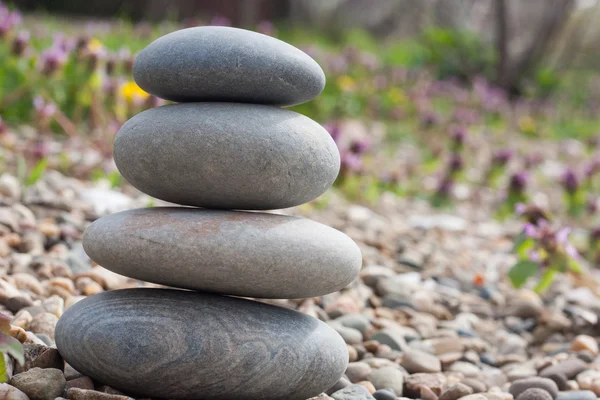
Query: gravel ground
[431, 316]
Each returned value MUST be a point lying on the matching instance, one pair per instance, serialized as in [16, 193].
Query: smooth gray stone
[227, 155]
[164, 343]
[230, 252]
[213, 63]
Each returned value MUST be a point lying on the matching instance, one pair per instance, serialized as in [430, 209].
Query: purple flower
[445, 186]
[455, 164]
[8, 20]
[518, 182]
[459, 137]
[562, 239]
[20, 43]
[531, 231]
[501, 157]
[3, 128]
[359, 146]
[570, 181]
[51, 60]
[595, 234]
[351, 162]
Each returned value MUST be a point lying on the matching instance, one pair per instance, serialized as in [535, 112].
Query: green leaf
[546, 280]
[12, 347]
[522, 244]
[37, 172]
[522, 271]
[574, 266]
[3, 377]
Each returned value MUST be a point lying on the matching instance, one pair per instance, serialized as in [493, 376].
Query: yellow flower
[346, 83]
[95, 46]
[527, 124]
[396, 95]
[132, 93]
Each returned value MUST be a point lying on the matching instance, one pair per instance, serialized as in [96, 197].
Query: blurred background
[482, 105]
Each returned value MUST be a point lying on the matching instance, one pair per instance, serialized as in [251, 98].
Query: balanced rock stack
[227, 146]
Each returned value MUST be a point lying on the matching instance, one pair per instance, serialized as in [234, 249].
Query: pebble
[44, 323]
[413, 383]
[358, 371]
[82, 382]
[38, 356]
[569, 368]
[560, 380]
[200, 336]
[576, 395]
[388, 378]
[40, 384]
[350, 335]
[352, 392]
[355, 321]
[392, 337]
[85, 394]
[227, 156]
[456, 391]
[521, 385]
[475, 384]
[213, 63]
[384, 394]
[8, 392]
[584, 342]
[534, 394]
[465, 368]
[427, 394]
[415, 361]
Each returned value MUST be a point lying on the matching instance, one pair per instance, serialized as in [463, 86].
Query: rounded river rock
[230, 252]
[178, 344]
[227, 155]
[213, 63]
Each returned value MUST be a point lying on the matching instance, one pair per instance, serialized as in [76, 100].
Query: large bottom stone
[176, 344]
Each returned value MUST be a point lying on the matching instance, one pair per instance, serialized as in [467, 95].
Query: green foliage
[459, 54]
[37, 172]
[546, 81]
[522, 271]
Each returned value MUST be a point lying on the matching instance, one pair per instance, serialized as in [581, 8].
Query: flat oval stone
[178, 344]
[227, 155]
[213, 63]
[230, 252]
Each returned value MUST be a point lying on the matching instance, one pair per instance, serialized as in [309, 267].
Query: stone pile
[227, 146]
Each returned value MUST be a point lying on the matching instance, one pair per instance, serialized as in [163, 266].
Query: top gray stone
[213, 63]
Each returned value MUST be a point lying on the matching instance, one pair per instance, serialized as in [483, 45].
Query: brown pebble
[44, 323]
[368, 385]
[427, 394]
[352, 354]
[84, 394]
[18, 333]
[83, 382]
[456, 391]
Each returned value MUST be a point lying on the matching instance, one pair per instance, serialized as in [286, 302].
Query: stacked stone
[227, 146]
